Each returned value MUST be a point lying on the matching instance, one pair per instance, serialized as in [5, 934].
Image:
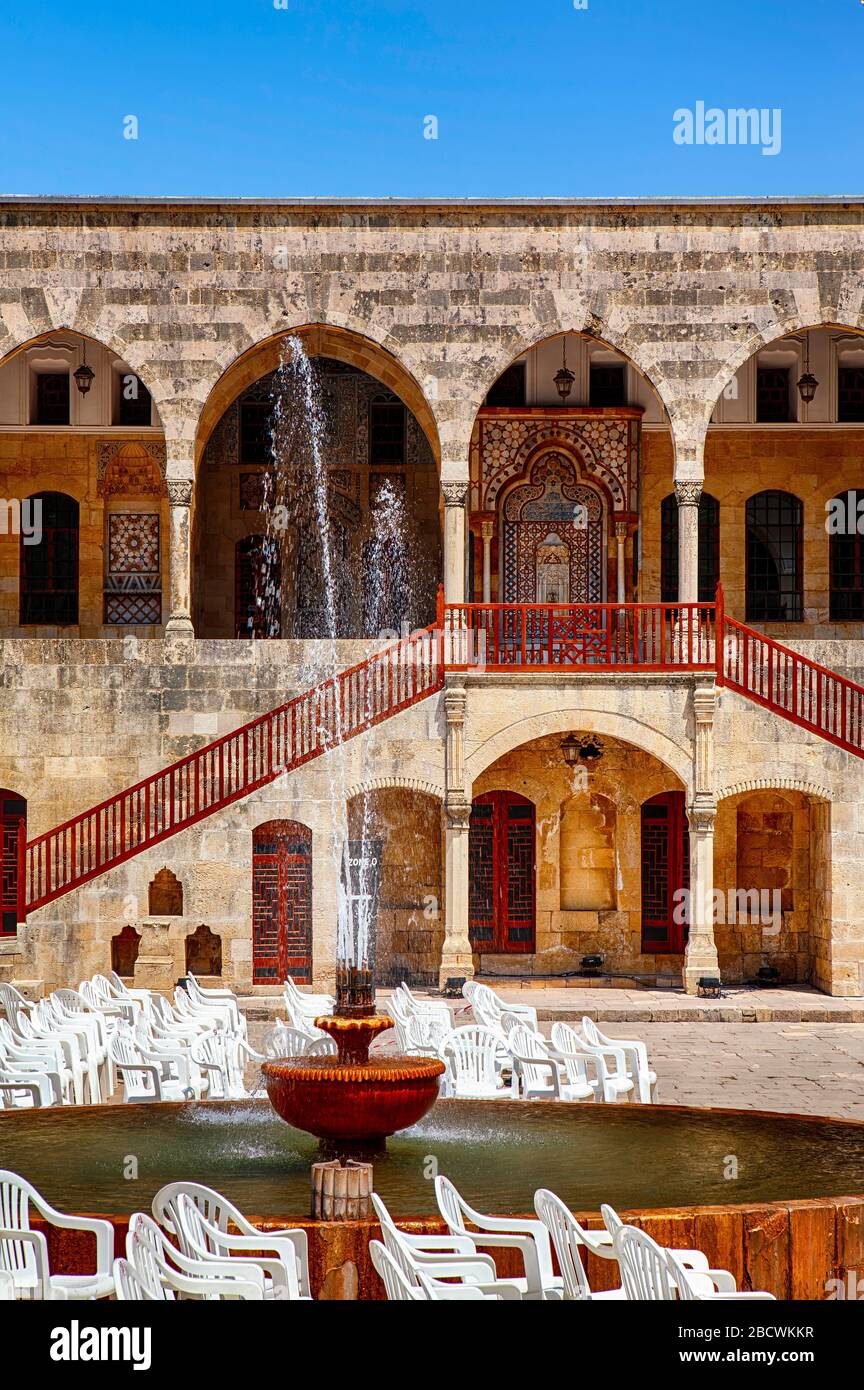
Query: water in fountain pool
[497, 1152]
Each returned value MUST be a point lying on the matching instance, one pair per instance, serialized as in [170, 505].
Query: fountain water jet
[351, 1102]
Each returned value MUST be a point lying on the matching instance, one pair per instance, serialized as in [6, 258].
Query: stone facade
[433, 301]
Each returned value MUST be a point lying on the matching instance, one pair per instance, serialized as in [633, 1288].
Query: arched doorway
[501, 891]
[665, 872]
[13, 823]
[281, 902]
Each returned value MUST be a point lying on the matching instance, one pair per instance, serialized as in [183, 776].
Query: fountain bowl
[351, 1102]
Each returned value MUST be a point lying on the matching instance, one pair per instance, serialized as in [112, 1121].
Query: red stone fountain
[352, 1102]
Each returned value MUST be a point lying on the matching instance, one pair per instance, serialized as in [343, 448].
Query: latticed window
[774, 566]
[49, 570]
[772, 395]
[135, 406]
[386, 431]
[709, 548]
[850, 394]
[509, 389]
[846, 550]
[52, 398]
[607, 386]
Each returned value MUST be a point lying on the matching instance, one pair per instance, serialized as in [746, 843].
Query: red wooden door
[13, 829]
[665, 870]
[282, 902]
[501, 911]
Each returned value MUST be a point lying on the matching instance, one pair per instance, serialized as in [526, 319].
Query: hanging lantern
[84, 375]
[807, 383]
[564, 378]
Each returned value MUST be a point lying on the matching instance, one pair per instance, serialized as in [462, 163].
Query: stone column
[700, 957]
[688, 495]
[454, 540]
[180, 558]
[487, 528]
[456, 955]
[621, 543]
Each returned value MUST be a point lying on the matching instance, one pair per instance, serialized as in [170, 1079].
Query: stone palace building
[589, 416]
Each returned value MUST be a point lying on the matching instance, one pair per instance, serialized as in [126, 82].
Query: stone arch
[797, 784]
[97, 334]
[319, 340]
[596, 328]
[411, 784]
[787, 324]
[626, 728]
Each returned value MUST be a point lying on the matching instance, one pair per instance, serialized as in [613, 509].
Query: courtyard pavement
[805, 1065]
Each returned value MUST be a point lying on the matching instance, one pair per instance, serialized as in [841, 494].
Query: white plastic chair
[612, 1077]
[210, 1237]
[166, 1271]
[635, 1054]
[24, 1252]
[567, 1238]
[489, 1009]
[308, 1006]
[472, 1055]
[696, 1287]
[693, 1260]
[441, 1257]
[530, 1238]
[537, 1076]
[220, 1055]
[147, 1077]
[421, 1287]
[645, 1274]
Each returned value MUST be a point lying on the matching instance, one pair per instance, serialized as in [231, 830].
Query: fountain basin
[792, 1220]
[357, 1104]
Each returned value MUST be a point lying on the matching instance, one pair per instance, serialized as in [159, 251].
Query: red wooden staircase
[233, 766]
[494, 637]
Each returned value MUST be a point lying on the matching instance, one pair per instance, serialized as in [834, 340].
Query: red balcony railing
[596, 636]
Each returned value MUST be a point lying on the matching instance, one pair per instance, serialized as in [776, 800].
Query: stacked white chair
[147, 1075]
[635, 1056]
[302, 1009]
[164, 1272]
[440, 1259]
[530, 1238]
[220, 1055]
[539, 1075]
[24, 1252]
[613, 1080]
[199, 1218]
[569, 1239]
[472, 1055]
[489, 1009]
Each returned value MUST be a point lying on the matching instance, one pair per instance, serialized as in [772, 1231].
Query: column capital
[688, 493]
[705, 700]
[455, 699]
[180, 492]
[455, 493]
[701, 816]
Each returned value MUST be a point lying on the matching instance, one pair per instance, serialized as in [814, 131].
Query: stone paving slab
[610, 1005]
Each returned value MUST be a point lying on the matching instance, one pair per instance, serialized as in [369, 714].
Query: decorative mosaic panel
[553, 538]
[607, 449]
[133, 583]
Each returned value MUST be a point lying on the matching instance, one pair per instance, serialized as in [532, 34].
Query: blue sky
[239, 98]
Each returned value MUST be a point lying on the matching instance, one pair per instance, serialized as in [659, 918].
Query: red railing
[232, 766]
[597, 636]
[790, 684]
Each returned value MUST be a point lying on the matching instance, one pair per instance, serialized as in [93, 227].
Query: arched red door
[501, 895]
[13, 826]
[665, 871]
[282, 902]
